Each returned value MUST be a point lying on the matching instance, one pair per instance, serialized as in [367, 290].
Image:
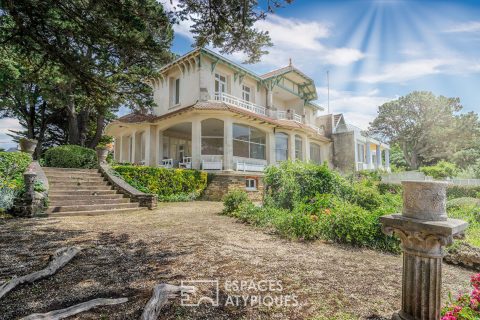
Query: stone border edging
[144, 199]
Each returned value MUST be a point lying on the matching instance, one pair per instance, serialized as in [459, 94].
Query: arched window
[298, 148]
[281, 146]
[315, 153]
[248, 142]
[212, 137]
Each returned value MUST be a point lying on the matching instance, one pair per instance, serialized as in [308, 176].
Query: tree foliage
[229, 24]
[426, 127]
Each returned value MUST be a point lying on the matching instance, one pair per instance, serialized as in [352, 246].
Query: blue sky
[375, 51]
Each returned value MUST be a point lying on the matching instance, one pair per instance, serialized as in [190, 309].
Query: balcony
[284, 115]
[255, 108]
[234, 101]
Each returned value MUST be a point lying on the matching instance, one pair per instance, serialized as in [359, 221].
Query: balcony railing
[234, 101]
[317, 129]
[283, 115]
[252, 107]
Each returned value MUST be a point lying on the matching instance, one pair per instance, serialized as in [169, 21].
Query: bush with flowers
[12, 166]
[465, 306]
[308, 201]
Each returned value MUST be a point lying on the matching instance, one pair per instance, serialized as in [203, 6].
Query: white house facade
[213, 114]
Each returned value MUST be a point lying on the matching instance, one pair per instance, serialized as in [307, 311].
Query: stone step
[76, 179]
[72, 184]
[72, 188]
[88, 201]
[96, 212]
[81, 192]
[73, 197]
[69, 170]
[93, 207]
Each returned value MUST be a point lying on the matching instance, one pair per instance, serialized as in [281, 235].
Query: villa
[213, 114]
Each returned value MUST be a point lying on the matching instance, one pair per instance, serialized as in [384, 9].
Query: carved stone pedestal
[424, 230]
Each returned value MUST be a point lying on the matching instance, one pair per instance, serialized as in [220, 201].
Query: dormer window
[246, 93]
[176, 99]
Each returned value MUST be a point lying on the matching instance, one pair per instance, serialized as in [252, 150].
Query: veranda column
[368, 155]
[424, 230]
[120, 153]
[147, 145]
[133, 147]
[153, 145]
[378, 157]
[306, 148]
[228, 144]
[196, 143]
[269, 99]
[159, 147]
[270, 152]
[387, 159]
[291, 146]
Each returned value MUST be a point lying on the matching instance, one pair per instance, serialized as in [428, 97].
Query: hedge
[168, 184]
[71, 156]
[12, 166]
[463, 191]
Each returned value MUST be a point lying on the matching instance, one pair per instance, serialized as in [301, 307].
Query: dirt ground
[125, 255]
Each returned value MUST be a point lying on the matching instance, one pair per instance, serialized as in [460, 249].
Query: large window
[298, 148]
[212, 137]
[177, 92]
[220, 83]
[315, 153]
[248, 142]
[281, 146]
[246, 93]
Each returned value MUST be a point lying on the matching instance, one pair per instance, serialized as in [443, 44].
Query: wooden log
[73, 310]
[59, 259]
[161, 293]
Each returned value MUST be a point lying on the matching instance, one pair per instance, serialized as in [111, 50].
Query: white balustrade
[234, 101]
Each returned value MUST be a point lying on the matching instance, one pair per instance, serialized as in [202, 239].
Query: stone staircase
[83, 192]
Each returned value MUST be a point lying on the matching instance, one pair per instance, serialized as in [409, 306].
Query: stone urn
[28, 145]
[102, 153]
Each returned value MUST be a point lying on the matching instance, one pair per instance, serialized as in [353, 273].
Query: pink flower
[449, 316]
[475, 281]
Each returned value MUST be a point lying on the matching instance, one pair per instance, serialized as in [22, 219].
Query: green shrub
[365, 195]
[391, 188]
[441, 170]
[463, 191]
[233, 200]
[168, 184]
[471, 214]
[12, 167]
[291, 182]
[71, 156]
[462, 202]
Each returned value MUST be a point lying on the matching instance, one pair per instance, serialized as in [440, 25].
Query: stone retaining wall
[223, 183]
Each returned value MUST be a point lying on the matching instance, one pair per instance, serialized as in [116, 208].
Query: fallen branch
[73, 310]
[59, 259]
[161, 294]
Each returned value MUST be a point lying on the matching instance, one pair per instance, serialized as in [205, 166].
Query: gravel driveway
[125, 255]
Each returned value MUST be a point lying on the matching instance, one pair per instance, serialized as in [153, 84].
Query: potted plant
[28, 145]
[103, 148]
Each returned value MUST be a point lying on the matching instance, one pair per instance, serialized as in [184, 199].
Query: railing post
[423, 229]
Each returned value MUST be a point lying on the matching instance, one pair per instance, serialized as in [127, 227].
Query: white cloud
[7, 124]
[404, 71]
[292, 38]
[358, 109]
[301, 40]
[472, 26]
